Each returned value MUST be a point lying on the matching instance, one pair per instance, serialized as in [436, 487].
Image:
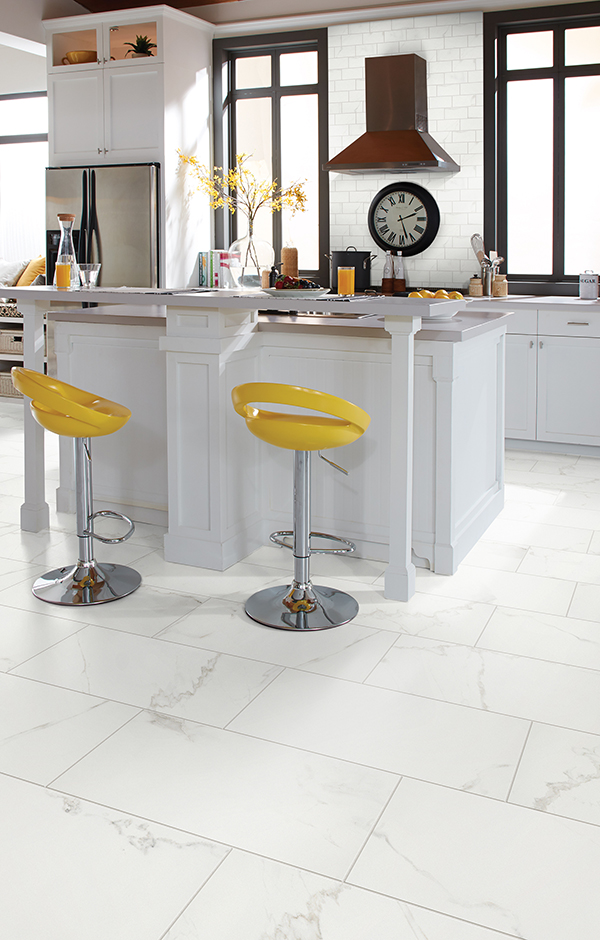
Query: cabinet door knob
[105, 150]
[541, 345]
[531, 344]
[99, 149]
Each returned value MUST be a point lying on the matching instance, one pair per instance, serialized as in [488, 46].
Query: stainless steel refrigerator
[116, 212]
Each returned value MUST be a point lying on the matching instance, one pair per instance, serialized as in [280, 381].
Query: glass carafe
[66, 271]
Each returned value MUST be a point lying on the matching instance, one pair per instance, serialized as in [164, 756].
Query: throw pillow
[33, 269]
[11, 271]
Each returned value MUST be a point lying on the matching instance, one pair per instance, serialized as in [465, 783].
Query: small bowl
[79, 56]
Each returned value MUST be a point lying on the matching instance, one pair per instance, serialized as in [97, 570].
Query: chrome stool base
[86, 584]
[348, 546]
[301, 607]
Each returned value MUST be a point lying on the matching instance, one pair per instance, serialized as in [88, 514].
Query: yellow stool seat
[67, 410]
[339, 423]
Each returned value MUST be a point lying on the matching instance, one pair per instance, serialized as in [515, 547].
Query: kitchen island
[225, 490]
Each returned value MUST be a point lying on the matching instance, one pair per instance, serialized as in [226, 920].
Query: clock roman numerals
[404, 217]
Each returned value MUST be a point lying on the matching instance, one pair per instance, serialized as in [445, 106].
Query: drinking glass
[88, 274]
[345, 280]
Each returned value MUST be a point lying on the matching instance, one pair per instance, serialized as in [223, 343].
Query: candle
[289, 262]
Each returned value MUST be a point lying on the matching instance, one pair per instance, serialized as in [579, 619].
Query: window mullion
[558, 265]
[276, 152]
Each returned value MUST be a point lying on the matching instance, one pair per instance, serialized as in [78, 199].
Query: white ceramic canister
[588, 286]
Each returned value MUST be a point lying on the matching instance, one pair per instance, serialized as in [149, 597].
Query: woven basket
[11, 341]
[9, 309]
[7, 389]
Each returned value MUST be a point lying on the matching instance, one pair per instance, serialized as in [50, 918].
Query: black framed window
[541, 135]
[270, 101]
[23, 159]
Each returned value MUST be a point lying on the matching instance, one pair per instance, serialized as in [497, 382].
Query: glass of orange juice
[63, 275]
[345, 280]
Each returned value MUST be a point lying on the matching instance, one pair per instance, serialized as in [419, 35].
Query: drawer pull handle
[577, 323]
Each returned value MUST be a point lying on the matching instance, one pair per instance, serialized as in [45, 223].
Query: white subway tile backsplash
[452, 45]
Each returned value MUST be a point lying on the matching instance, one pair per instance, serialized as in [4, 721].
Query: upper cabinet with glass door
[105, 39]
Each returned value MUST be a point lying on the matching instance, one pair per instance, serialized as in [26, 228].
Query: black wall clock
[403, 217]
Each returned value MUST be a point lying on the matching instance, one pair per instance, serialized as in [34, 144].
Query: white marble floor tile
[531, 875]
[513, 460]
[404, 734]
[38, 547]
[237, 583]
[578, 499]
[13, 465]
[12, 486]
[25, 633]
[570, 566]
[586, 603]
[559, 537]
[168, 678]
[551, 515]
[505, 588]
[251, 898]
[495, 555]
[536, 487]
[43, 730]
[543, 636]
[588, 465]
[527, 492]
[556, 463]
[71, 870]
[594, 546]
[560, 773]
[14, 572]
[450, 618]
[321, 566]
[498, 682]
[348, 652]
[311, 811]
[147, 611]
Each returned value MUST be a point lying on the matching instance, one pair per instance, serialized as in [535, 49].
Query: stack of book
[214, 268]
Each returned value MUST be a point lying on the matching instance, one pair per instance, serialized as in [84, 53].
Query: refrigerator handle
[82, 248]
[94, 228]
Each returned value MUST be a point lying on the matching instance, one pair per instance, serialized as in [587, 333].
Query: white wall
[21, 71]
[452, 45]
[24, 17]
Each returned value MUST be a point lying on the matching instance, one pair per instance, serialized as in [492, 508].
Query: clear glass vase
[249, 256]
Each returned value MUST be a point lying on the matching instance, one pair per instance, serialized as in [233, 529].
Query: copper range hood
[396, 137]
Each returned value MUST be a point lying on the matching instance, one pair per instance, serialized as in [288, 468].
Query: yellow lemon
[427, 293]
[442, 294]
[456, 295]
[414, 293]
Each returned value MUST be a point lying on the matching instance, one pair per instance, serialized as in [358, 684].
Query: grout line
[96, 746]
[195, 895]
[372, 829]
[518, 764]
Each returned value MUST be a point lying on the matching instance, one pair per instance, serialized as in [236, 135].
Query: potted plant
[141, 47]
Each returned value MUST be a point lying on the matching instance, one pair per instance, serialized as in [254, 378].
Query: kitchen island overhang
[226, 491]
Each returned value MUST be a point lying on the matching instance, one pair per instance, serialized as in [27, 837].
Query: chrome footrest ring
[277, 538]
[113, 515]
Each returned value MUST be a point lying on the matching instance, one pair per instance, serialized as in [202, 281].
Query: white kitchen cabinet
[552, 371]
[99, 116]
[569, 389]
[521, 386]
[115, 109]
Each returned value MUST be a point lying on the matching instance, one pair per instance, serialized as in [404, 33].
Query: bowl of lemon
[440, 303]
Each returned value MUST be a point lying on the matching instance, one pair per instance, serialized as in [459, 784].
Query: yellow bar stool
[301, 605]
[70, 411]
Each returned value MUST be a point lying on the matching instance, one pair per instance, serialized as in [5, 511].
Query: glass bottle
[387, 281]
[66, 271]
